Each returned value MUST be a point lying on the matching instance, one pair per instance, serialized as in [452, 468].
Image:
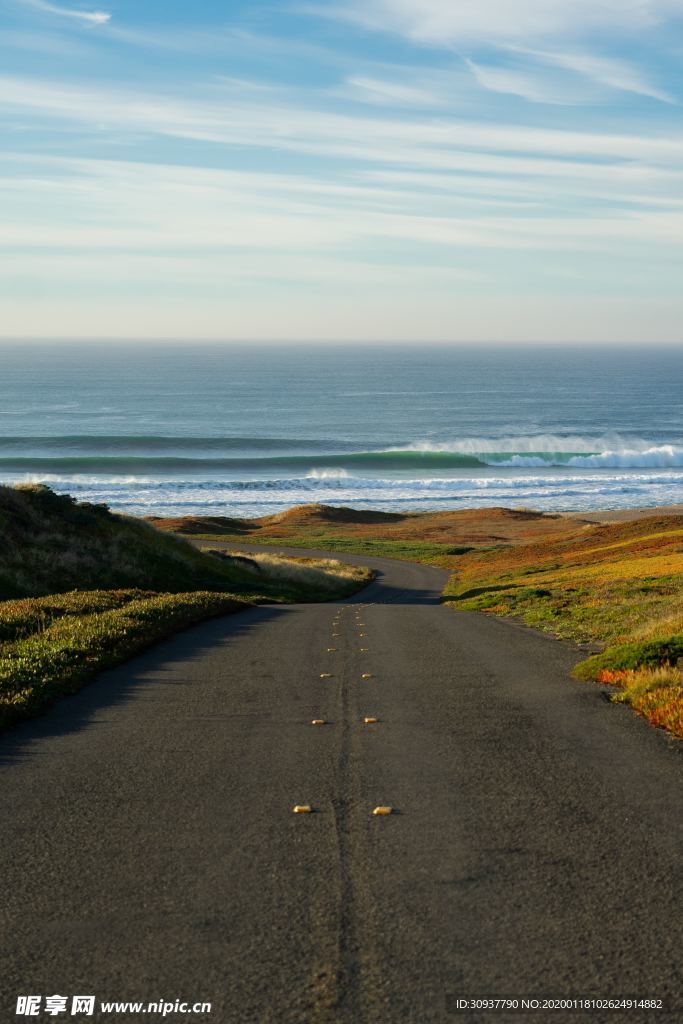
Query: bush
[29, 615]
[60, 659]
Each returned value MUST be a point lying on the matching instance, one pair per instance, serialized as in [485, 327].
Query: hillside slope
[434, 537]
[52, 544]
[619, 584]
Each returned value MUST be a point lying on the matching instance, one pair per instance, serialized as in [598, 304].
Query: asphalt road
[150, 851]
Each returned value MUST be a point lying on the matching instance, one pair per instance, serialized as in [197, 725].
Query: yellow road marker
[383, 810]
[325, 675]
[318, 721]
[362, 634]
[302, 809]
[334, 635]
[364, 650]
[367, 675]
[369, 720]
[330, 649]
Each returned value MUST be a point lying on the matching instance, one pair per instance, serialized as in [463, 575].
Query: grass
[52, 544]
[316, 579]
[433, 538]
[30, 615]
[428, 552]
[619, 586]
[49, 659]
[655, 693]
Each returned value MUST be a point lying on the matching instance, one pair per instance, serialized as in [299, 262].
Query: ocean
[249, 430]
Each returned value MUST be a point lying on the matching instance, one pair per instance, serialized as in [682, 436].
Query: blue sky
[349, 169]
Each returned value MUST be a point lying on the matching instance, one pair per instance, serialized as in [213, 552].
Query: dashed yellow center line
[382, 810]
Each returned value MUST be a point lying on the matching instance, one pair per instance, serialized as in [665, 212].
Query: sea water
[250, 430]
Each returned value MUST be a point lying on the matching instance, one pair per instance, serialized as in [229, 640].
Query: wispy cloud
[234, 121]
[443, 21]
[609, 71]
[529, 86]
[276, 226]
[382, 92]
[562, 78]
[543, 51]
[92, 17]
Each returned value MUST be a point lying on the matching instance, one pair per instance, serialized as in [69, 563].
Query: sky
[437, 170]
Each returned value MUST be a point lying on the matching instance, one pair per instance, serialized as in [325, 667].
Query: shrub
[22, 617]
[652, 653]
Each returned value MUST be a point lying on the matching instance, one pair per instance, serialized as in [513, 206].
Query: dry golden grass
[316, 574]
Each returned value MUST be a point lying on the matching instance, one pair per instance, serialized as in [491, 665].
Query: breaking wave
[253, 475]
[665, 456]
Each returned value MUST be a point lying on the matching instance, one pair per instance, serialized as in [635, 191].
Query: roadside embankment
[58, 646]
[618, 586]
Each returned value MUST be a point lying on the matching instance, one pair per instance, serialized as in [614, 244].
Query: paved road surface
[150, 851]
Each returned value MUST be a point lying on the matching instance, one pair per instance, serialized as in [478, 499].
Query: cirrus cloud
[92, 17]
[442, 21]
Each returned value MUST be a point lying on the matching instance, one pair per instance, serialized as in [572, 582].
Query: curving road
[150, 851]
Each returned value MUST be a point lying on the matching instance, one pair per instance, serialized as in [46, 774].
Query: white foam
[665, 456]
[328, 474]
[523, 443]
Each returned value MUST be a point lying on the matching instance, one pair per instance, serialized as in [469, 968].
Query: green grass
[58, 657]
[30, 615]
[427, 552]
[629, 657]
[609, 613]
